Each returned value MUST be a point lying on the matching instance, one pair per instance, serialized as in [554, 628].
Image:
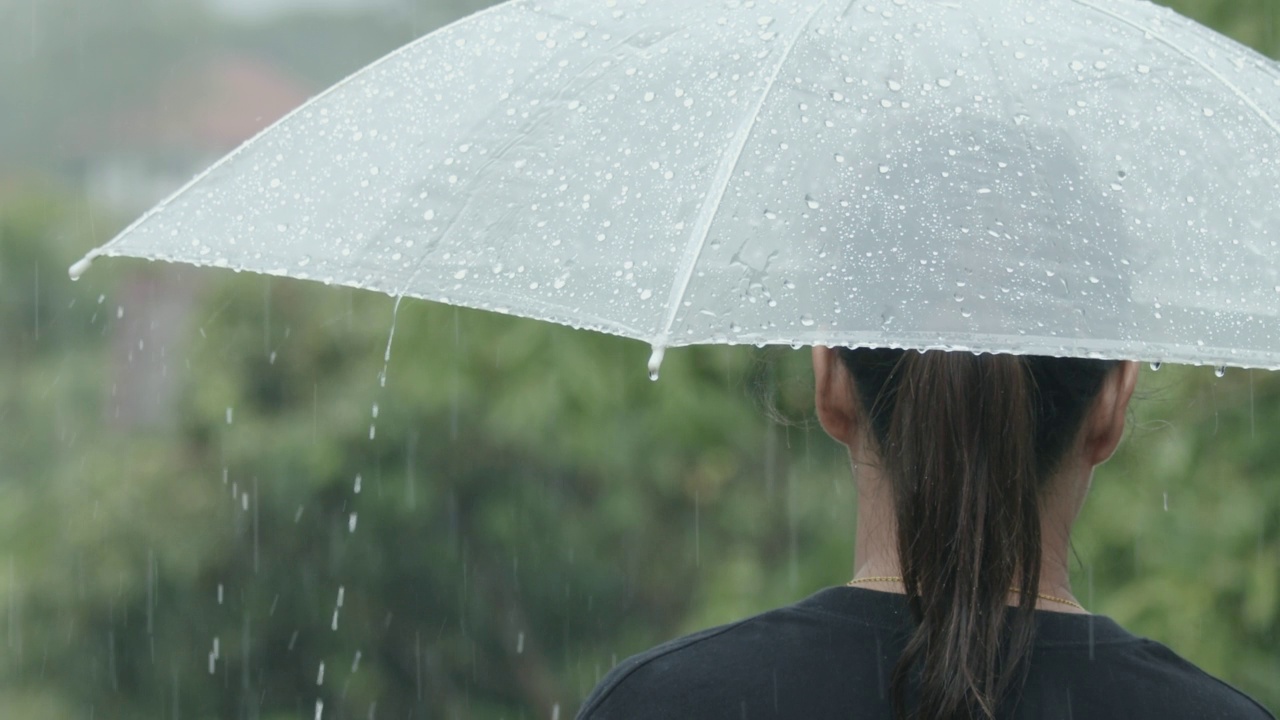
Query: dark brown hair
[969, 443]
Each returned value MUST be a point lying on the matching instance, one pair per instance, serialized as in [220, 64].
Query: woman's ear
[1106, 422]
[833, 395]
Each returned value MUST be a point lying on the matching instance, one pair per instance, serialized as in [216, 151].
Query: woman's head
[977, 455]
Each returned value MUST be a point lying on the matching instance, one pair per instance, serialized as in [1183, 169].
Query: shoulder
[646, 683]
[1136, 678]
[799, 658]
[1214, 697]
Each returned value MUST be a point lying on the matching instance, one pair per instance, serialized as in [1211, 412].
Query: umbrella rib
[1257, 109]
[720, 185]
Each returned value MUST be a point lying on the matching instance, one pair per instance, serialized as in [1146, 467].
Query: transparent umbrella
[1064, 177]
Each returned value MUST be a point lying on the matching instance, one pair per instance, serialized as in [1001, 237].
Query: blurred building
[147, 150]
[262, 9]
[139, 156]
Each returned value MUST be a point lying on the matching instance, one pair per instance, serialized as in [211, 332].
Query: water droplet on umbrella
[460, 275]
[429, 215]
[1220, 370]
[806, 320]
[884, 169]
[655, 361]
[77, 270]
[1208, 112]
[1155, 366]
[813, 204]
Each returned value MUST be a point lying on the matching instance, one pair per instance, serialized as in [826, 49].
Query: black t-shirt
[832, 655]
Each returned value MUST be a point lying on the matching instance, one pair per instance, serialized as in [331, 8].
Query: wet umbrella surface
[1072, 177]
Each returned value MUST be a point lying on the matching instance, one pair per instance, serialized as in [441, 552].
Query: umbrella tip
[655, 361]
[79, 268]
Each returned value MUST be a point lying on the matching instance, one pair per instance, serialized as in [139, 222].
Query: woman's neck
[876, 546]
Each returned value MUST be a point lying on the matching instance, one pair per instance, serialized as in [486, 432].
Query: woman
[970, 471]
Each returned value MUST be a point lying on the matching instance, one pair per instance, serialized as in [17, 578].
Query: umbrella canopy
[1063, 177]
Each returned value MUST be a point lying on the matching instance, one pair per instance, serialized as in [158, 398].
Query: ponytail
[968, 443]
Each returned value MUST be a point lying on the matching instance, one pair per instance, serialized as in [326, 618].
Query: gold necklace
[889, 578]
